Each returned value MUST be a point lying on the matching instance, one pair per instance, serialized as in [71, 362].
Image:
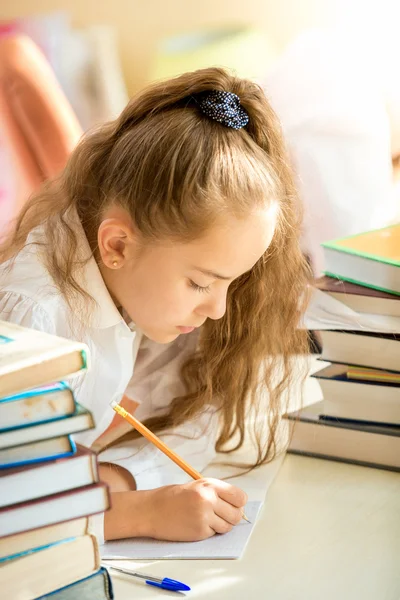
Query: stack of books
[358, 418]
[49, 485]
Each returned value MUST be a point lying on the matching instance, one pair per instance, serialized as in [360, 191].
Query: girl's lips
[186, 329]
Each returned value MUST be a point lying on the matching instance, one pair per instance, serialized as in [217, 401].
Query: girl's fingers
[220, 525]
[228, 492]
[227, 512]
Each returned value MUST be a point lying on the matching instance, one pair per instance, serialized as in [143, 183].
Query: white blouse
[122, 361]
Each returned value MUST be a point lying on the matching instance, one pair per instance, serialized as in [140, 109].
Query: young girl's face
[171, 288]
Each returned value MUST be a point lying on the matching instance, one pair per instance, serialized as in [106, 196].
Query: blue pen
[165, 584]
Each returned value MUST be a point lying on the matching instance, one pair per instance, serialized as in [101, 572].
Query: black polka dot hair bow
[223, 107]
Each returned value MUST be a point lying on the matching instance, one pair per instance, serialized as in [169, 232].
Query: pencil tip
[246, 519]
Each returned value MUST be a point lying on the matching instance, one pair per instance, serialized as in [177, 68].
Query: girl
[170, 244]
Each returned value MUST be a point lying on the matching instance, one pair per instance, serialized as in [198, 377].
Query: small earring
[115, 263]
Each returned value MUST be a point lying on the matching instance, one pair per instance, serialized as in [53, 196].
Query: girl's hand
[193, 511]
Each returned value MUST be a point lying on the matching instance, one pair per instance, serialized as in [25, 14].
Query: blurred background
[329, 68]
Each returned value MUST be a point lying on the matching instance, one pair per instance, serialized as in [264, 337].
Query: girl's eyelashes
[198, 288]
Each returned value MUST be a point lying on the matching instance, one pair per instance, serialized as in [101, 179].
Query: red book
[359, 298]
[57, 508]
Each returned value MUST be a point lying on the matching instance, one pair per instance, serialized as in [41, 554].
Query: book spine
[96, 551]
[73, 444]
[85, 359]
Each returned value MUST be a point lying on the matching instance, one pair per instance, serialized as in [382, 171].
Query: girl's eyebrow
[212, 274]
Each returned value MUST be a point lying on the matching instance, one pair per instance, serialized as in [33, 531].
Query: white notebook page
[227, 546]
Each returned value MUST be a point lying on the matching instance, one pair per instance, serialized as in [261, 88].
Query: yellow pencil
[149, 435]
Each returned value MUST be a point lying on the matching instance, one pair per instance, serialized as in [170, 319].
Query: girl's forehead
[229, 248]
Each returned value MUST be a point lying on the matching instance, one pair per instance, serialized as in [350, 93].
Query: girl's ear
[116, 242]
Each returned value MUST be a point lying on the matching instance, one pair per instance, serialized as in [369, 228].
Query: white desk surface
[327, 531]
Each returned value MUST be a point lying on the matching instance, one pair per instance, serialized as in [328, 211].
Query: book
[57, 508]
[231, 545]
[359, 298]
[325, 312]
[378, 402]
[372, 374]
[31, 358]
[80, 420]
[371, 259]
[97, 586]
[335, 439]
[44, 450]
[19, 484]
[367, 349]
[38, 538]
[35, 574]
[39, 405]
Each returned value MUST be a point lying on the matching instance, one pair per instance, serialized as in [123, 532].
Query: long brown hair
[175, 171]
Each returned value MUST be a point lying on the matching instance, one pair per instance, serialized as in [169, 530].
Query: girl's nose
[214, 308]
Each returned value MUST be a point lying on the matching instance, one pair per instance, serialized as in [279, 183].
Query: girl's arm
[155, 382]
[187, 511]
[117, 478]
[190, 512]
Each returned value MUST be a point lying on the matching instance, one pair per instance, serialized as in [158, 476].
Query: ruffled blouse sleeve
[21, 310]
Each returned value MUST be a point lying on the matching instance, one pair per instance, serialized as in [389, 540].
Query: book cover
[40, 538]
[45, 403]
[57, 508]
[334, 285]
[21, 553]
[350, 374]
[361, 298]
[382, 245]
[360, 400]
[365, 349]
[80, 420]
[315, 413]
[31, 358]
[42, 451]
[370, 259]
[354, 442]
[50, 569]
[94, 587]
[365, 374]
[19, 484]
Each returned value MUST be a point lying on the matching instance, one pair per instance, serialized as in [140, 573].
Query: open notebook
[227, 546]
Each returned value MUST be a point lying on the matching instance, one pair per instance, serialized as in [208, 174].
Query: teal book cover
[95, 587]
[80, 420]
[29, 454]
[32, 550]
[39, 405]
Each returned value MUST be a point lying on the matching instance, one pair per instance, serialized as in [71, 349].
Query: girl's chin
[161, 337]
